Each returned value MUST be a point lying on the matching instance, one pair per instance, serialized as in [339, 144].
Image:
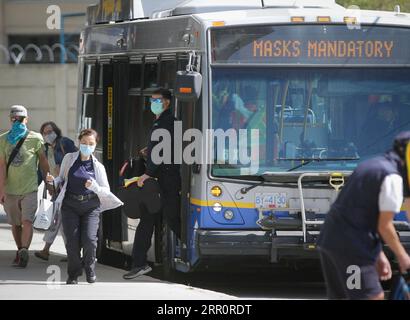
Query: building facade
[31, 54]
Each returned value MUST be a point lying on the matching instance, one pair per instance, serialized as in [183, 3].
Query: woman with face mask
[56, 148]
[85, 193]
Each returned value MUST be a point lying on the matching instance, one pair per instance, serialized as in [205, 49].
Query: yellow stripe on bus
[230, 204]
[408, 162]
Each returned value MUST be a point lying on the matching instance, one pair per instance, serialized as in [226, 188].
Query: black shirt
[165, 121]
[79, 173]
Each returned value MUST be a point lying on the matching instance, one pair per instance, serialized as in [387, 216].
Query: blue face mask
[86, 150]
[18, 131]
[157, 106]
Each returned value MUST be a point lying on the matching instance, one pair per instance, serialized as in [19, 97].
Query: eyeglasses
[155, 100]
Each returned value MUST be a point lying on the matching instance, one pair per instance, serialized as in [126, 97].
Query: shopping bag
[45, 213]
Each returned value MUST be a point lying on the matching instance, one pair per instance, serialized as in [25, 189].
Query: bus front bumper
[274, 246]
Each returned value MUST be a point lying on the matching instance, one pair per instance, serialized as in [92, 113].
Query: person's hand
[88, 184]
[49, 178]
[142, 179]
[50, 189]
[404, 263]
[383, 267]
[2, 197]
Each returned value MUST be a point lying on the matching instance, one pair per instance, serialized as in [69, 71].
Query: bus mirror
[188, 86]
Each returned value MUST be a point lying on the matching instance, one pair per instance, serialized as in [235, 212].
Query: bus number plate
[270, 200]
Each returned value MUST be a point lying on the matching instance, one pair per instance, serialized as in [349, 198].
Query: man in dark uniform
[350, 245]
[169, 179]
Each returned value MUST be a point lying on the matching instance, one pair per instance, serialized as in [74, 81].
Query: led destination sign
[312, 44]
[323, 49]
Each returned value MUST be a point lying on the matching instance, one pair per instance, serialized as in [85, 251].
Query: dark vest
[351, 225]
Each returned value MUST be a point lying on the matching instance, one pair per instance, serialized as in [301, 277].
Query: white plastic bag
[45, 213]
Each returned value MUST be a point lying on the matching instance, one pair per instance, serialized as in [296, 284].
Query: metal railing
[16, 54]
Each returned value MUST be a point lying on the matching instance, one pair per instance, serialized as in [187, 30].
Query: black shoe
[72, 281]
[137, 272]
[23, 258]
[42, 255]
[91, 277]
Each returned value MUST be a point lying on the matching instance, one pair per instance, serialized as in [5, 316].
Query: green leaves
[377, 4]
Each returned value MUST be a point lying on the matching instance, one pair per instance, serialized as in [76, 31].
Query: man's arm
[2, 179]
[44, 166]
[389, 234]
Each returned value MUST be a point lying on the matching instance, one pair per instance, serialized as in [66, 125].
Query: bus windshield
[336, 116]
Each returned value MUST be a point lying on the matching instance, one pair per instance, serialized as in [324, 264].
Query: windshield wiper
[306, 161]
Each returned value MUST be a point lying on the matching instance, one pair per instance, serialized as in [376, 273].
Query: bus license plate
[270, 200]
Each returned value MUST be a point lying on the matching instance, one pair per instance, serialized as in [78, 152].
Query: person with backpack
[21, 152]
[56, 148]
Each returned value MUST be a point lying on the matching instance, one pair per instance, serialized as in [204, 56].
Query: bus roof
[234, 12]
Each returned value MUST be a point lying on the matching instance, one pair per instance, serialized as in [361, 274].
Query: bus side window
[168, 70]
[139, 125]
[151, 67]
[89, 76]
[92, 116]
[182, 62]
[135, 76]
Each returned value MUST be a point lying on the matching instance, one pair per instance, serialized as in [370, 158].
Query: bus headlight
[217, 207]
[228, 214]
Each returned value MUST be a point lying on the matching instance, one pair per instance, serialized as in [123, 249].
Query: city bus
[324, 88]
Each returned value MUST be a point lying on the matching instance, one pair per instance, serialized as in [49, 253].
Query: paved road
[34, 282]
[233, 283]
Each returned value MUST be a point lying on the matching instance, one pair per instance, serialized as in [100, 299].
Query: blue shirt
[79, 173]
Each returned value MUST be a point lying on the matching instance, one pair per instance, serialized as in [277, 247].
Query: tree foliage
[377, 4]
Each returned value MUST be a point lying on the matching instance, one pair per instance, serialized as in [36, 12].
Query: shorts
[20, 208]
[347, 279]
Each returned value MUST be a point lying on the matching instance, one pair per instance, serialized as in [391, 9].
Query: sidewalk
[31, 283]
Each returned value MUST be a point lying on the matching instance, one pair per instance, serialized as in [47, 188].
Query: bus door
[190, 114]
[115, 84]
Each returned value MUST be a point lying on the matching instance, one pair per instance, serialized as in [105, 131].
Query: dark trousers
[81, 220]
[170, 187]
[335, 268]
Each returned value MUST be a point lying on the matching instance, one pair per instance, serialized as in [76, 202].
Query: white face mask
[50, 138]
